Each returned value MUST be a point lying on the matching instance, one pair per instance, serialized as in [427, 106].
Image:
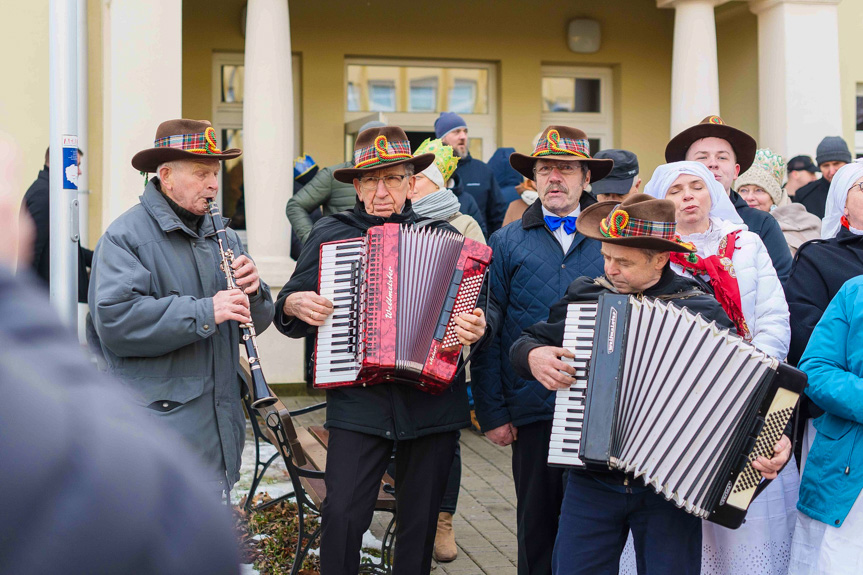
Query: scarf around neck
[720, 270]
[440, 205]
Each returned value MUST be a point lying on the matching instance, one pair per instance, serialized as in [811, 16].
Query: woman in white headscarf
[736, 264]
[748, 289]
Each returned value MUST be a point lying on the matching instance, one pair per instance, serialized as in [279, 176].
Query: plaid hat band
[201, 143]
[555, 145]
[618, 224]
[382, 152]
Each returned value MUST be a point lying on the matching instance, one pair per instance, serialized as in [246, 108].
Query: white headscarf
[834, 209]
[665, 175]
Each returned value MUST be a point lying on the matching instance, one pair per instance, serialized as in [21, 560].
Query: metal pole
[84, 145]
[83, 127]
[63, 50]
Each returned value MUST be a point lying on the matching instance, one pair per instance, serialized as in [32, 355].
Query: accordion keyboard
[569, 403]
[336, 356]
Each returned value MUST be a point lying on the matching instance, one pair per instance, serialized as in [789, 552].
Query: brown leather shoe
[445, 549]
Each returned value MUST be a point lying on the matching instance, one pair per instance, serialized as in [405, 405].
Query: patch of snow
[371, 542]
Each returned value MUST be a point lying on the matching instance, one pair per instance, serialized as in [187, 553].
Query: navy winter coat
[767, 228]
[505, 175]
[468, 206]
[529, 273]
[813, 196]
[477, 179]
[820, 269]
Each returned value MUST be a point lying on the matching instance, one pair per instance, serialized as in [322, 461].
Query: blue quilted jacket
[528, 275]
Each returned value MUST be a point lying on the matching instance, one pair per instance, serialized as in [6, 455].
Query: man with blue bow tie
[535, 260]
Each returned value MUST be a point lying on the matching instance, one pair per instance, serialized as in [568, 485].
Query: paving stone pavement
[484, 523]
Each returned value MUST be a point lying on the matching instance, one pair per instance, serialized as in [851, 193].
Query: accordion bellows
[396, 293]
[670, 398]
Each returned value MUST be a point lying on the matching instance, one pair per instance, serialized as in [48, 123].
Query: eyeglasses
[370, 183]
[564, 169]
[857, 185]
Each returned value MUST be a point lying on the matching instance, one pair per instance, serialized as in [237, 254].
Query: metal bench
[304, 452]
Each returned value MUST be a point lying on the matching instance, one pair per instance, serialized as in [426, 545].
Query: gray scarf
[440, 205]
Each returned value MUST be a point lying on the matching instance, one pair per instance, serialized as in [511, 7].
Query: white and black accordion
[396, 293]
[664, 395]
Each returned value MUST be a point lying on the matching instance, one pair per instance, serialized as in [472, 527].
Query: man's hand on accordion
[770, 468]
[469, 327]
[549, 369]
[309, 307]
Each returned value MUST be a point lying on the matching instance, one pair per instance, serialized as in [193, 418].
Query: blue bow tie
[554, 222]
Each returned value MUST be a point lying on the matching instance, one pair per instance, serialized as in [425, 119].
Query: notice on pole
[70, 162]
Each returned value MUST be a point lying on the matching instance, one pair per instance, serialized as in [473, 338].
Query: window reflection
[581, 95]
[232, 83]
[233, 189]
[392, 88]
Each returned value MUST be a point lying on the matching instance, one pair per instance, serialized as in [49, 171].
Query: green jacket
[151, 298]
[323, 192]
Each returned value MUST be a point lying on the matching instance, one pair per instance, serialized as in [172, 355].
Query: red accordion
[396, 292]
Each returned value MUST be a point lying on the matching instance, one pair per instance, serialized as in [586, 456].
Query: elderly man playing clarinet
[168, 327]
[364, 422]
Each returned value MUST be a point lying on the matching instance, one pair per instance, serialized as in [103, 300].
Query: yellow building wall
[24, 104]
[737, 46]
[519, 37]
[850, 65]
[208, 26]
[24, 107]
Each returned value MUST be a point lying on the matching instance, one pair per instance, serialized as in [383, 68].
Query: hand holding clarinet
[233, 304]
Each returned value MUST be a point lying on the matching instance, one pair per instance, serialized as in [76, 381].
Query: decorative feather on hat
[443, 156]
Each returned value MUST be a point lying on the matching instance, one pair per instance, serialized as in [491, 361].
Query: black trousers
[453, 484]
[355, 464]
[539, 490]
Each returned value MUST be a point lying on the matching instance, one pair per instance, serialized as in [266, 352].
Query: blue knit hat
[446, 123]
[302, 165]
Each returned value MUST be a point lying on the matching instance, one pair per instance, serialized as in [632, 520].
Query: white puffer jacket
[762, 297]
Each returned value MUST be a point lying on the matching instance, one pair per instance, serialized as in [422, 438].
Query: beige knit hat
[766, 172]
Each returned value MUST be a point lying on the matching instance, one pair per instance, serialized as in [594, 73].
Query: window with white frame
[228, 84]
[580, 97]
[413, 93]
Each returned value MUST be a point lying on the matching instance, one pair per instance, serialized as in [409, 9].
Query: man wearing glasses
[364, 422]
[534, 262]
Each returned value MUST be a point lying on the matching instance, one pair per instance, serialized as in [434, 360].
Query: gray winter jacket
[150, 296]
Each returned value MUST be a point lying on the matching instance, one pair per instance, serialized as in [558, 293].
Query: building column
[798, 74]
[268, 172]
[142, 71]
[694, 65]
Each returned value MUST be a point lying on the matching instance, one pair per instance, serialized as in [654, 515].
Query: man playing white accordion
[600, 509]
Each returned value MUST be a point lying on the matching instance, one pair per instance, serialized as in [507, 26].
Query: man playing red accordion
[364, 422]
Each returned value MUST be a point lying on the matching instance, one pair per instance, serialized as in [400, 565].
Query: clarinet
[258, 389]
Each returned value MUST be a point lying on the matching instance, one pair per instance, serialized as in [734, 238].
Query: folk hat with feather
[561, 143]
[379, 148]
[182, 140]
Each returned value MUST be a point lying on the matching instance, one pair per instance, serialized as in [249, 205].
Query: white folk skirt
[820, 549]
[761, 546]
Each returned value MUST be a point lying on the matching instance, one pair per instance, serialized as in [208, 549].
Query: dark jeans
[539, 491]
[595, 520]
[355, 465]
[450, 496]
